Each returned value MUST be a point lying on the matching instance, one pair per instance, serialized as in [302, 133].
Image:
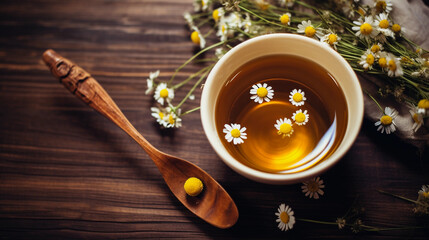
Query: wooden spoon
[213, 205]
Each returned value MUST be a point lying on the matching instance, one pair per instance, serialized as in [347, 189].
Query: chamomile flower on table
[284, 127]
[297, 97]
[376, 48]
[198, 38]
[313, 188]
[383, 6]
[423, 107]
[159, 114]
[261, 92]
[386, 122]
[309, 30]
[397, 29]
[286, 3]
[235, 133]
[300, 117]
[163, 93]
[424, 192]
[217, 14]
[172, 119]
[151, 82]
[382, 60]
[285, 217]
[365, 28]
[341, 222]
[394, 66]
[416, 116]
[367, 60]
[331, 39]
[383, 24]
[285, 18]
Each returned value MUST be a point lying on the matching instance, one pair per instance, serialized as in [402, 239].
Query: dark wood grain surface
[67, 172]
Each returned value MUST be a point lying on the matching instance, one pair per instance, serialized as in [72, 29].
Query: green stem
[376, 102]
[207, 70]
[397, 196]
[195, 56]
[189, 78]
[260, 17]
[192, 110]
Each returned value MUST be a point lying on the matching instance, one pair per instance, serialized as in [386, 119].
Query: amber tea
[281, 114]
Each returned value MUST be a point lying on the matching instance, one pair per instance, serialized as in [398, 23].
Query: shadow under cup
[280, 61]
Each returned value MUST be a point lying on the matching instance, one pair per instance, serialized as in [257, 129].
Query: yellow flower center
[416, 118]
[313, 186]
[284, 217]
[285, 128]
[235, 133]
[396, 28]
[386, 120]
[370, 59]
[284, 19]
[297, 97]
[262, 92]
[300, 117]
[381, 6]
[195, 37]
[161, 115]
[361, 11]
[171, 119]
[366, 29]
[384, 23]
[163, 93]
[223, 28]
[332, 38]
[426, 64]
[309, 31]
[375, 48]
[193, 186]
[215, 15]
[424, 103]
[382, 62]
[263, 5]
[392, 65]
[425, 194]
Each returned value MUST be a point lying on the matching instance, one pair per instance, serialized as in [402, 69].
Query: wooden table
[67, 172]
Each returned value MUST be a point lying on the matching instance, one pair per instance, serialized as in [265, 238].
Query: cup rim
[273, 178]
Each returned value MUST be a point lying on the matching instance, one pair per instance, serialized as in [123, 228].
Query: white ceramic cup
[274, 44]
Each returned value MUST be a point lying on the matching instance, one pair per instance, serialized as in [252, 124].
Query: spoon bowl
[214, 205]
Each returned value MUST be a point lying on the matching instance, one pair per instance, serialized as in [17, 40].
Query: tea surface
[266, 148]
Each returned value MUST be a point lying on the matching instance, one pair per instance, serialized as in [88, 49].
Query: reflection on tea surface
[265, 147]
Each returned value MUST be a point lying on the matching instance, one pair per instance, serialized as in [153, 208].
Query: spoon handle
[85, 87]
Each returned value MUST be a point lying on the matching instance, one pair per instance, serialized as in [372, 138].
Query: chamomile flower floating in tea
[163, 93]
[235, 133]
[297, 97]
[261, 92]
[300, 117]
[386, 122]
[365, 28]
[313, 188]
[367, 60]
[285, 218]
[151, 82]
[284, 127]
